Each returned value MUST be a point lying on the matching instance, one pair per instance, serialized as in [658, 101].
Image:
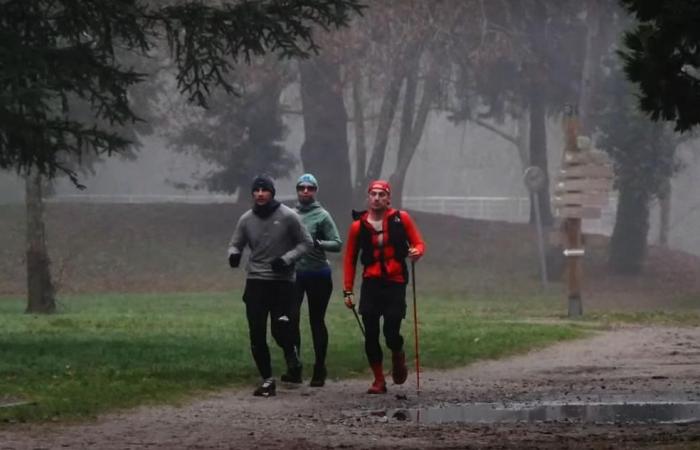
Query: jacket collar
[364, 215]
[304, 208]
[267, 209]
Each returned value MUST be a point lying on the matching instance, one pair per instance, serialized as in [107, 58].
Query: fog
[137, 288]
[453, 158]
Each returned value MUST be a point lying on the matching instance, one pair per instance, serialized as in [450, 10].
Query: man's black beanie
[263, 182]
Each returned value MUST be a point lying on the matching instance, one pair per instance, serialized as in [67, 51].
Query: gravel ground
[623, 364]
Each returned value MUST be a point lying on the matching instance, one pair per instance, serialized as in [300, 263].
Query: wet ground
[608, 391]
[625, 413]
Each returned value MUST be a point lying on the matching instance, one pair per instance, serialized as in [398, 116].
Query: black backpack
[397, 238]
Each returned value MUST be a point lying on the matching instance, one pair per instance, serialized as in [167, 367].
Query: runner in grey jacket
[281, 235]
[276, 238]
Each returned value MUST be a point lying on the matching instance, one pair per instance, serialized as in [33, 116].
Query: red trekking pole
[415, 326]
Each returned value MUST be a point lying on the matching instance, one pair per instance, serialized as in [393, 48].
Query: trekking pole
[415, 326]
[358, 320]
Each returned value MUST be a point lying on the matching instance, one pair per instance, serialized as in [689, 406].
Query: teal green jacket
[323, 231]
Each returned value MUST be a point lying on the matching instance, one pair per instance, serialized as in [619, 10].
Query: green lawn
[103, 352]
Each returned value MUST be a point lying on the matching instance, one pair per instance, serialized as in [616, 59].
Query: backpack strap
[357, 214]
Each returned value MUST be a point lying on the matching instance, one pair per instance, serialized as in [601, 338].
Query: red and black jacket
[386, 261]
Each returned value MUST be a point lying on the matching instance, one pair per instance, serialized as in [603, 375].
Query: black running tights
[273, 298]
[392, 334]
[318, 293]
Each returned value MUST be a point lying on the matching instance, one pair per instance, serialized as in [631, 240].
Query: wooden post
[571, 227]
[584, 182]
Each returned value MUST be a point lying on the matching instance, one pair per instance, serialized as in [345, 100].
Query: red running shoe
[378, 387]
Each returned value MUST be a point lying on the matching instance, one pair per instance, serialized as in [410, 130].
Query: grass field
[182, 248]
[478, 284]
[113, 351]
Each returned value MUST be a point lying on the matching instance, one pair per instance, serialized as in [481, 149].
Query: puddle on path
[627, 412]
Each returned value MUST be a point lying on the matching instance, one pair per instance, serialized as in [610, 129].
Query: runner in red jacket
[383, 238]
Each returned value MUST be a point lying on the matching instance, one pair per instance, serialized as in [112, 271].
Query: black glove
[317, 238]
[278, 265]
[234, 259]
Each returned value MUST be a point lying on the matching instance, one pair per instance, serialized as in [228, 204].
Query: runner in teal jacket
[313, 275]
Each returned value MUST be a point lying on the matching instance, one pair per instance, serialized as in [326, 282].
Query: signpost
[581, 190]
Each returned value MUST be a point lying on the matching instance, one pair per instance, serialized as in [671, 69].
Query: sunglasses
[303, 188]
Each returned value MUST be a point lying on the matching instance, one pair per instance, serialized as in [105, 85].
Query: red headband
[381, 185]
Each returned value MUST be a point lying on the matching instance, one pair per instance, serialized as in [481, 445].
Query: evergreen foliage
[241, 135]
[59, 55]
[662, 56]
[643, 154]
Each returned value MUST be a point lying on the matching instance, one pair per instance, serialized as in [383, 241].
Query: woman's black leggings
[392, 334]
[318, 291]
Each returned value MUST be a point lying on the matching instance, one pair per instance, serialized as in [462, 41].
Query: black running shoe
[267, 389]
[319, 377]
[293, 375]
[399, 371]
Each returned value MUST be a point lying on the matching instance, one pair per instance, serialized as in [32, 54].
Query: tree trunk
[628, 243]
[407, 114]
[538, 154]
[411, 138]
[591, 65]
[358, 117]
[536, 103]
[522, 137]
[664, 212]
[40, 290]
[386, 117]
[325, 149]
[244, 197]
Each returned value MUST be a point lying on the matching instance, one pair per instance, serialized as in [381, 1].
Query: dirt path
[632, 363]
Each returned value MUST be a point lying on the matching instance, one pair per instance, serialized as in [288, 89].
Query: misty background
[453, 158]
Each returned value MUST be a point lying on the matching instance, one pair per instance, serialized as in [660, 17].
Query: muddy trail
[627, 364]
